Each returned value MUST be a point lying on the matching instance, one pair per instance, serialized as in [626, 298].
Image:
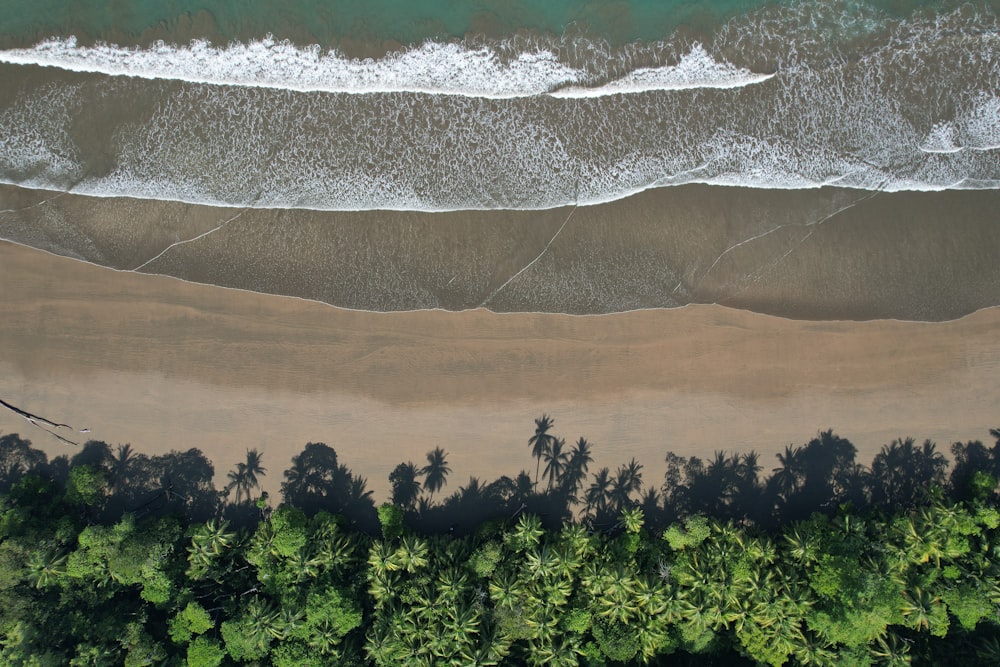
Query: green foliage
[982, 485]
[696, 530]
[192, 620]
[296, 653]
[851, 589]
[245, 641]
[577, 620]
[205, 652]
[969, 604]
[141, 648]
[289, 526]
[616, 640]
[988, 517]
[330, 615]
[391, 518]
[486, 558]
[85, 486]
[129, 555]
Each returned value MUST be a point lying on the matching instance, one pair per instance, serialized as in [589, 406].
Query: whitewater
[788, 97]
[434, 68]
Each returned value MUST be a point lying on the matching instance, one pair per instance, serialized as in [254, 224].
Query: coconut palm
[45, 566]
[411, 555]
[891, 651]
[209, 541]
[436, 471]
[922, 609]
[541, 442]
[527, 533]
[632, 519]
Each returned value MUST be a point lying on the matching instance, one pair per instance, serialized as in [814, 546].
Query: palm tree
[891, 651]
[541, 442]
[45, 566]
[555, 460]
[527, 533]
[411, 555]
[632, 519]
[405, 485]
[436, 471]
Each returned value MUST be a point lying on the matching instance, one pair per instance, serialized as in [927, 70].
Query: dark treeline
[113, 557]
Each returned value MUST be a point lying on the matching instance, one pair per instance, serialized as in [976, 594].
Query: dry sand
[165, 364]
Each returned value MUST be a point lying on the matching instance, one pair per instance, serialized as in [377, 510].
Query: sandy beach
[165, 364]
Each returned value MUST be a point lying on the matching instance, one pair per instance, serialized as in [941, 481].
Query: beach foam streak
[437, 68]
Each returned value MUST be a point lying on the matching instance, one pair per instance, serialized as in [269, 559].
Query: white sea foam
[980, 128]
[976, 130]
[697, 69]
[941, 139]
[433, 67]
[898, 115]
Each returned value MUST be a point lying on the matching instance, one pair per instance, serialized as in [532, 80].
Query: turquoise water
[329, 22]
[325, 22]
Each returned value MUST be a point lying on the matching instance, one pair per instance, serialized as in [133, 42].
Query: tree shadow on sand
[317, 482]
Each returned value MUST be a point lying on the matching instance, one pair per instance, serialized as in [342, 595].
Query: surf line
[37, 420]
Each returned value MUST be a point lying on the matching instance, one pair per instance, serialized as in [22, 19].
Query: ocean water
[490, 105]
[774, 96]
[332, 22]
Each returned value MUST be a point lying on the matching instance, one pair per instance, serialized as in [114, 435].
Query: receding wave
[855, 100]
[435, 68]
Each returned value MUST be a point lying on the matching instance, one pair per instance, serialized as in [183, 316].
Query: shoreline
[829, 254]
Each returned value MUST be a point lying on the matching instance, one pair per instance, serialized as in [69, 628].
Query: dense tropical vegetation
[113, 557]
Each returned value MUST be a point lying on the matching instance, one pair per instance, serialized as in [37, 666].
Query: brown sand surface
[818, 254]
[165, 364]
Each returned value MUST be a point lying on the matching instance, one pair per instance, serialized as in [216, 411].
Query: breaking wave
[842, 95]
[435, 68]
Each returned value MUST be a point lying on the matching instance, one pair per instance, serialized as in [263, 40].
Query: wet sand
[165, 364]
[814, 254]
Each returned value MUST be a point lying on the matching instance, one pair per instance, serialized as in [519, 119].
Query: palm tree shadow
[317, 482]
[904, 474]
